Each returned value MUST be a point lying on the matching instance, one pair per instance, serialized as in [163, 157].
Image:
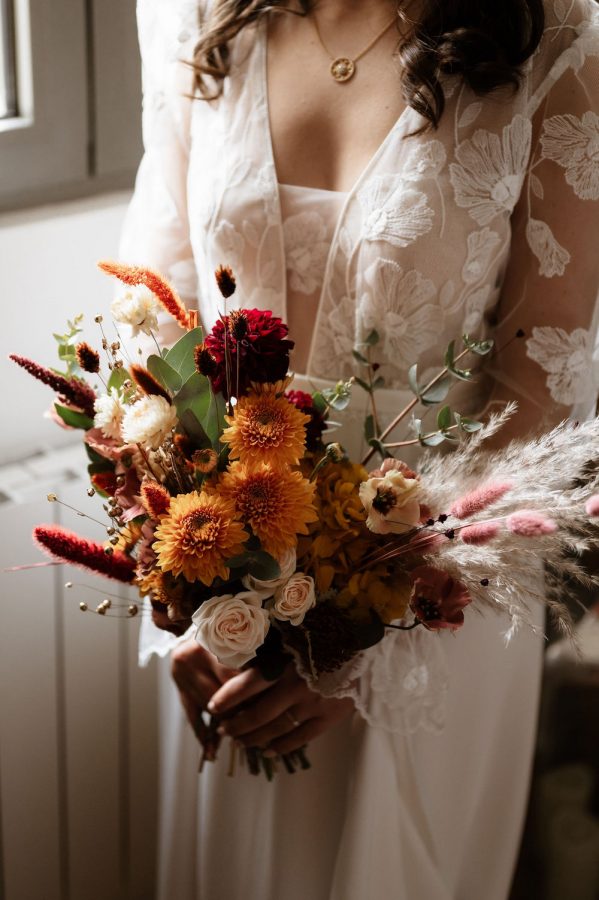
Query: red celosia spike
[155, 498]
[148, 384]
[480, 498]
[134, 275]
[74, 390]
[75, 550]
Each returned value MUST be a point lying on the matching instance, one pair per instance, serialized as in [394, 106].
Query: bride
[425, 169]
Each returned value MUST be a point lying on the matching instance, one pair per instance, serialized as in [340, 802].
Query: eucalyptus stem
[434, 381]
[419, 440]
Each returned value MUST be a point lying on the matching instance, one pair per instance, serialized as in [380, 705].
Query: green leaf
[438, 393]
[369, 430]
[263, 566]
[363, 385]
[72, 418]
[94, 456]
[194, 395]
[320, 404]
[373, 338]
[413, 379]
[214, 419]
[339, 396]
[379, 447]
[444, 418]
[193, 428]
[117, 379]
[450, 354]
[180, 357]
[361, 359]
[164, 373]
[378, 383]
[461, 374]
[470, 425]
[432, 440]
[481, 348]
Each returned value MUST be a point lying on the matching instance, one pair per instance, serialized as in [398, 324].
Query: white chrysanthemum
[149, 421]
[138, 308]
[109, 411]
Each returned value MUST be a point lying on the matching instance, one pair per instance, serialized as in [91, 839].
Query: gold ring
[293, 721]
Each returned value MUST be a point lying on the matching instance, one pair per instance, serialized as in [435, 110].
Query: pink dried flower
[393, 465]
[530, 523]
[74, 390]
[69, 547]
[479, 533]
[592, 506]
[438, 599]
[480, 498]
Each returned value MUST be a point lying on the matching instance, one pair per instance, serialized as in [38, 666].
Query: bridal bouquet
[230, 510]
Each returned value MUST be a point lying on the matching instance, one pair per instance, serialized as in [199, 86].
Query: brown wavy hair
[485, 42]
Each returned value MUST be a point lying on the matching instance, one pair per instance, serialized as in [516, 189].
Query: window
[70, 99]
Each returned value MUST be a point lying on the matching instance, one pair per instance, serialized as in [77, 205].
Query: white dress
[474, 227]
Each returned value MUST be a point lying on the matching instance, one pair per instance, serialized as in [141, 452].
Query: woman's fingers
[197, 673]
[282, 725]
[238, 690]
[298, 737]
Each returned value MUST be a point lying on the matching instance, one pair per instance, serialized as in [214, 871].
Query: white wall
[48, 274]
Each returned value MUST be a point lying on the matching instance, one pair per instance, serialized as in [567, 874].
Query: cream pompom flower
[149, 421]
[109, 413]
[136, 307]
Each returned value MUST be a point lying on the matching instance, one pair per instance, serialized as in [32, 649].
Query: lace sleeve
[551, 283]
[156, 227]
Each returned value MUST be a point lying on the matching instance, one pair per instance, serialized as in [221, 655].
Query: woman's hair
[483, 41]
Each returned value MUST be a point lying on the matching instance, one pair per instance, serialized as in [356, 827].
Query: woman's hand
[279, 716]
[198, 676]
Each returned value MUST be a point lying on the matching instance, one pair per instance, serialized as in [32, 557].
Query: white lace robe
[487, 225]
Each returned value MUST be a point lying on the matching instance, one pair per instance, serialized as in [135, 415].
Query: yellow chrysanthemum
[371, 590]
[266, 428]
[276, 503]
[128, 537]
[199, 532]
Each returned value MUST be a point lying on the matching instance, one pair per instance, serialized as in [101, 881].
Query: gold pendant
[343, 68]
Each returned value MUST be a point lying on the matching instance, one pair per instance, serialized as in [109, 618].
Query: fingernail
[211, 706]
[269, 754]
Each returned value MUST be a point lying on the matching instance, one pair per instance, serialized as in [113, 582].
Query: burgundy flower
[258, 339]
[75, 391]
[315, 427]
[438, 599]
[69, 547]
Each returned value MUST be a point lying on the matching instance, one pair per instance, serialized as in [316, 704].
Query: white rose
[294, 599]
[149, 421]
[109, 411]
[287, 564]
[232, 627]
[136, 307]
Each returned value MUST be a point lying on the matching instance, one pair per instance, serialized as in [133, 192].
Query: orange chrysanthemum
[199, 533]
[276, 503]
[266, 428]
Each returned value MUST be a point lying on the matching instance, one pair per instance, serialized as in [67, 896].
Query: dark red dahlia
[304, 402]
[258, 339]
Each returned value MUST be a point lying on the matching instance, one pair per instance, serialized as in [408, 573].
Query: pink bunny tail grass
[480, 499]
[74, 390]
[592, 506]
[164, 293]
[479, 533]
[530, 523]
[69, 547]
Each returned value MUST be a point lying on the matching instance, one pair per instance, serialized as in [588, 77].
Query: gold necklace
[342, 67]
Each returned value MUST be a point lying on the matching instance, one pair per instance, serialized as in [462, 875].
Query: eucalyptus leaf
[481, 348]
[263, 566]
[117, 379]
[164, 373]
[378, 383]
[444, 418]
[339, 396]
[361, 359]
[437, 393]
[379, 447]
[413, 379]
[373, 338]
[432, 440]
[193, 428]
[181, 355]
[320, 404]
[213, 421]
[195, 395]
[369, 431]
[450, 354]
[72, 418]
[470, 425]
[461, 374]
[364, 385]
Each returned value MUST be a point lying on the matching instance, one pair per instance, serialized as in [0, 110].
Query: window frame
[68, 139]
